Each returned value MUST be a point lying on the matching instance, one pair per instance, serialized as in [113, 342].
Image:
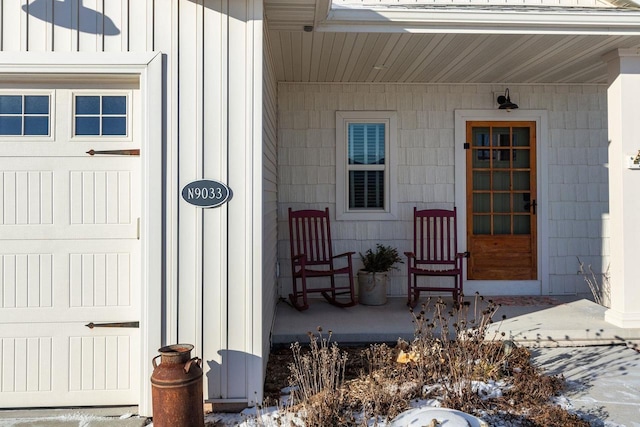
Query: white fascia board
[482, 21]
[70, 62]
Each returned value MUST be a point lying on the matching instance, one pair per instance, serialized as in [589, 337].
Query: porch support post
[623, 98]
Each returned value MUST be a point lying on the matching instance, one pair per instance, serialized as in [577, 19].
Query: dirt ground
[278, 371]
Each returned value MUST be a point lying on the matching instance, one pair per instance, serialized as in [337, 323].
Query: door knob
[531, 205]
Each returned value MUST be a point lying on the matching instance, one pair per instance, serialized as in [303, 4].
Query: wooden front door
[501, 201]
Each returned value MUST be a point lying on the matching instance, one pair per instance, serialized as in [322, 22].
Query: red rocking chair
[312, 257]
[435, 253]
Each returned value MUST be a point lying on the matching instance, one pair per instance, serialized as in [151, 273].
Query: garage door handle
[113, 325]
[131, 152]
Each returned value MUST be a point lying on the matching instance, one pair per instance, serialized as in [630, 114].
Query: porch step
[530, 321]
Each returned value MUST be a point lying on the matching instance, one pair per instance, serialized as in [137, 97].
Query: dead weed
[450, 355]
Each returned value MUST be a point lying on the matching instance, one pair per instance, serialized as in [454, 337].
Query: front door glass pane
[501, 180]
[521, 224]
[521, 159]
[482, 203]
[521, 137]
[481, 180]
[502, 202]
[481, 224]
[501, 224]
[521, 180]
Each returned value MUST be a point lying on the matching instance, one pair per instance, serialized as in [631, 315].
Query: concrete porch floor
[553, 321]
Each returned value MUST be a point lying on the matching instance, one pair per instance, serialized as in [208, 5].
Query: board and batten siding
[76, 25]
[576, 189]
[211, 128]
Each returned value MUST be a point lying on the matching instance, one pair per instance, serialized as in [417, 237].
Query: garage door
[69, 243]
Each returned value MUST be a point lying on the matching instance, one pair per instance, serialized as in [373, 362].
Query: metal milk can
[176, 388]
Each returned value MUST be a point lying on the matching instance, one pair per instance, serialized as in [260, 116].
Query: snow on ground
[274, 417]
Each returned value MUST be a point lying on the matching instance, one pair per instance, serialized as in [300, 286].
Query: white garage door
[69, 243]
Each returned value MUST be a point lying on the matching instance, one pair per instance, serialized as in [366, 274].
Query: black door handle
[529, 206]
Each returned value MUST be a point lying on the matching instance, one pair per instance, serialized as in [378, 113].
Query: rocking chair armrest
[347, 254]
[299, 259]
[410, 255]
[460, 256]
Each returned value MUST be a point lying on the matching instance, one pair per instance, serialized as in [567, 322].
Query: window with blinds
[365, 165]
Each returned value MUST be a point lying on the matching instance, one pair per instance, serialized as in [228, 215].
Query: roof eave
[481, 20]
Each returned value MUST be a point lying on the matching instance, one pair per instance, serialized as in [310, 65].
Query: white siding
[211, 120]
[577, 155]
[76, 26]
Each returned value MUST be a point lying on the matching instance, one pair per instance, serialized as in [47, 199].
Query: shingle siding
[577, 157]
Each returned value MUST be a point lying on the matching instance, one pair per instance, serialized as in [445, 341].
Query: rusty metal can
[176, 388]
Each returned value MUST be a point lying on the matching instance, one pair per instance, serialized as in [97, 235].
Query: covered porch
[572, 69]
[531, 321]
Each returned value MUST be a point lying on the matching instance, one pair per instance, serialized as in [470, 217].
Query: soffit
[369, 51]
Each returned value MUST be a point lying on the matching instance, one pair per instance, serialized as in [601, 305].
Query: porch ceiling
[331, 53]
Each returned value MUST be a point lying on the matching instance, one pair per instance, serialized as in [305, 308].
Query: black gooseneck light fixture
[505, 102]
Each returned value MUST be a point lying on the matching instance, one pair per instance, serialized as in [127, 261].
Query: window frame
[101, 93]
[51, 94]
[390, 120]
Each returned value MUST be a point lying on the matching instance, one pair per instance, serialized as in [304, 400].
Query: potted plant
[373, 277]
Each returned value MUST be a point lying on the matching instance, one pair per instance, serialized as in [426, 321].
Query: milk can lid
[175, 349]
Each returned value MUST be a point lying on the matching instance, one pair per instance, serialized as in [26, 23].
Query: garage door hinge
[113, 325]
[127, 152]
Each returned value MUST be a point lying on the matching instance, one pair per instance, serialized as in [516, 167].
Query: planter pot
[372, 288]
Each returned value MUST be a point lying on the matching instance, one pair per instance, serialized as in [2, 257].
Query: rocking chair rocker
[312, 257]
[435, 253]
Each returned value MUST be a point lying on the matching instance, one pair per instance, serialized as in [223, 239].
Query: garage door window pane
[36, 105]
[114, 126]
[99, 115]
[24, 115]
[10, 125]
[114, 105]
[87, 105]
[36, 125]
[87, 126]
[10, 104]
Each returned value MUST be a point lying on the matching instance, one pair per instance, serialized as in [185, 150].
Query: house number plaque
[206, 193]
